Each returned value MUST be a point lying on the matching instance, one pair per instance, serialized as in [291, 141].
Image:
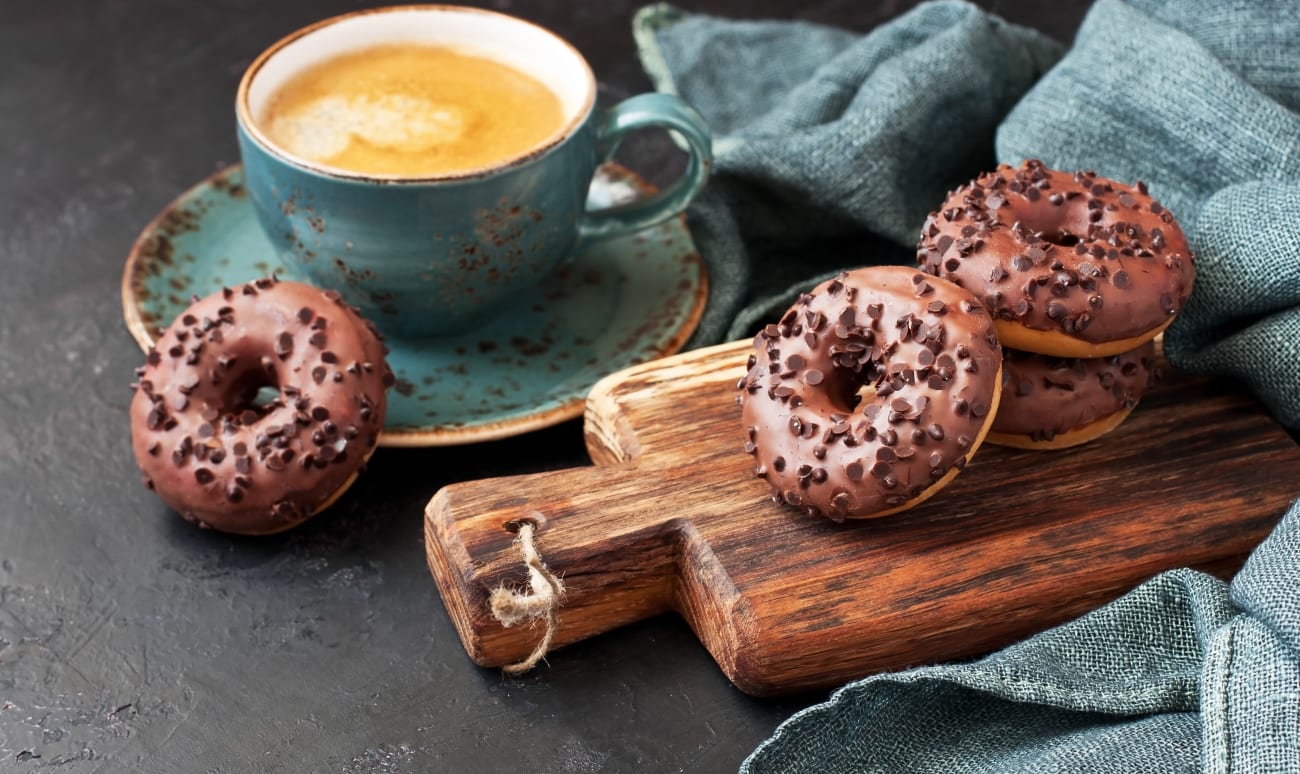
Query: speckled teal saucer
[612, 305]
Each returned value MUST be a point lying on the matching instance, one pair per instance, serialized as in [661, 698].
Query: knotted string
[541, 601]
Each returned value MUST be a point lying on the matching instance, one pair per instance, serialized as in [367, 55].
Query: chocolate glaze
[1044, 396]
[224, 463]
[1076, 253]
[929, 350]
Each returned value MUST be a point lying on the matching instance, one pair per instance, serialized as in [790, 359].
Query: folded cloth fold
[825, 138]
[833, 146]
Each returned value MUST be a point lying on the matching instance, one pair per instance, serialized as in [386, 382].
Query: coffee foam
[325, 127]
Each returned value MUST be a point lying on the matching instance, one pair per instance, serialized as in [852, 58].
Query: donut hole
[1060, 237]
[863, 396]
[848, 392]
[254, 390]
[1058, 228]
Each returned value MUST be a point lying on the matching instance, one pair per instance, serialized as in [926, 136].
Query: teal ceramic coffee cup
[437, 255]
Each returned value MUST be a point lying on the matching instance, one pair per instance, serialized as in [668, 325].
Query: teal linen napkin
[826, 142]
[832, 147]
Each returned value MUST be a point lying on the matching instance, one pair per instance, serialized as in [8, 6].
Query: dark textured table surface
[131, 641]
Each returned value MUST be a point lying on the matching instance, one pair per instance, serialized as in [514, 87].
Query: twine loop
[541, 601]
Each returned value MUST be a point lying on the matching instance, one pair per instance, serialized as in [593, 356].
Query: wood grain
[672, 519]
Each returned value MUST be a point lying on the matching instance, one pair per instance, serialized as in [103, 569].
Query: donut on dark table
[1070, 264]
[218, 458]
[871, 393]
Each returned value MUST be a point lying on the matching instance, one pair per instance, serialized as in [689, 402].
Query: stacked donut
[1032, 322]
[1080, 273]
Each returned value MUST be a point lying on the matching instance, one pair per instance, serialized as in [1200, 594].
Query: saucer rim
[434, 435]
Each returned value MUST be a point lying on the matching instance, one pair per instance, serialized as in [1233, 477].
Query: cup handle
[645, 110]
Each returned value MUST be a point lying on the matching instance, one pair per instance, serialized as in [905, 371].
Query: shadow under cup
[430, 256]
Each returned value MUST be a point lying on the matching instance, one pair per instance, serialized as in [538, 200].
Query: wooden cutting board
[672, 519]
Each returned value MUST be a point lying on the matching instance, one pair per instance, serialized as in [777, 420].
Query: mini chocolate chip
[203, 475]
[1120, 279]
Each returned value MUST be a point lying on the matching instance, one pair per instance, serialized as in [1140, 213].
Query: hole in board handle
[534, 518]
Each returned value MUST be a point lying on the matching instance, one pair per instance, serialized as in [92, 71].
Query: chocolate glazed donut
[1071, 265]
[1055, 403]
[223, 462]
[871, 393]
